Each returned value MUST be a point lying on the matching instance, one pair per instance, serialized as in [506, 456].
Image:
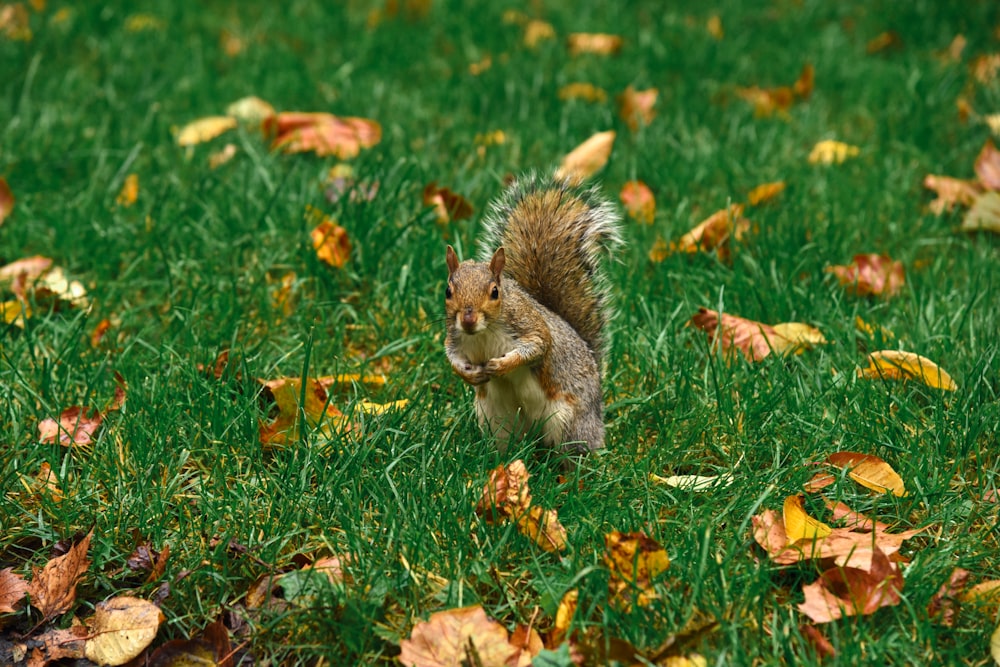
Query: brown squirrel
[527, 325]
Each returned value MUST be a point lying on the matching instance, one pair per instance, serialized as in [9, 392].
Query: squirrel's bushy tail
[554, 235]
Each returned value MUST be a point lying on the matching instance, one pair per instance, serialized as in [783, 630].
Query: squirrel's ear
[496, 264]
[452, 260]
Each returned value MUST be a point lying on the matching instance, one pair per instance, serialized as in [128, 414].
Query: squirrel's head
[473, 297]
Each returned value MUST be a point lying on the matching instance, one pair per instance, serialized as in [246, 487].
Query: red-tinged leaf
[53, 587]
[26, 270]
[12, 589]
[988, 166]
[458, 637]
[76, 427]
[212, 649]
[855, 521]
[639, 202]
[6, 200]
[943, 607]
[754, 340]
[447, 204]
[850, 591]
[636, 107]
[951, 191]
[715, 233]
[871, 274]
[322, 133]
[818, 640]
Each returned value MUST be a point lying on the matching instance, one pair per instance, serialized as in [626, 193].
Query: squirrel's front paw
[498, 366]
[474, 374]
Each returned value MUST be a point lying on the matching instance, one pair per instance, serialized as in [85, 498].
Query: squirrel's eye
[495, 293]
[447, 292]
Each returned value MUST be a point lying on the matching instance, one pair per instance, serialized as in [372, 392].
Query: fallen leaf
[765, 192]
[212, 649]
[371, 408]
[121, 628]
[53, 284]
[803, 86]
[884, 41]
[799, 526]
[26, 270]
[129, 192]
[583, 91]
[222, 156]
[542, 527]
[899, 365]
[6, 200]
[15, 312]
[796, 337]
[714, 27]
[52, 590]
[832, 152]
[447, 204]
[660, 250]
[56, 645]
[951, 191]
[232, 44]
[985, 67]
[869, 471]
[695, 482]
[943, 607]
[715, 233]
[204, 129]
[564, 618]
[480, 66]
[285, 426]
[529, 644]
[76, 427]
[536, 31]
[767, 101]
[143, 23]
[851, 591]
[984, 215]
[636, 107]
[987, 166]
[12, 589]
[985, 595]
[457, 637]
[995, 645]
[954, 51]
[15, 23]
[586, 159]
[635, 561]
[597, 43]
[332, 245]
[251, 109]
[639, 202]
[818, 640]
[506, 492]
[754, 340]
[871, 275]
[322, 133]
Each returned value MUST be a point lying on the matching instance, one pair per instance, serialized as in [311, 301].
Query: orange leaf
[12, 589]
[803, 86]
[587, 159]
[542, 527]
[53, 587]
[129, 192]
[883, 41]
[6, 200]
[635, 562]
[871, 274]
[755, 340]
[850, 591]
[457, 637]
[799, 526]
[506, 492]
[715, 232]
[988, 166]
[869, 471]
[582, 91]
[639, 202]
[765, 192]
[204, 129]
[767, 101]
[598, 43]
[15, 24]
[322, 133]
[951, 191]
[76, 426]
[285, 426]
[331, 243]
[447, 204]
[636, 106]
[899, 365]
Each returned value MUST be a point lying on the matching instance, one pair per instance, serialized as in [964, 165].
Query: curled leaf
[587, 159]
[204, 129]
[899, 365]
[869, 471]
[715, 233]
[799, 526]
[871, 274]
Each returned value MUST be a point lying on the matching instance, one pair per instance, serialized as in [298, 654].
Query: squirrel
[527, 325]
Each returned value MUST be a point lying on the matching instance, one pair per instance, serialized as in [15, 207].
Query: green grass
[189, 270]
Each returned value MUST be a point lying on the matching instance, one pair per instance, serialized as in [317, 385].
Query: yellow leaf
[796, 337]
[899, 365]
[765, 192]
[984, 214]
[714, 26]
[869, 471]
[121, 629]
[129, 192]
[536, 31]
[564, 616]
[799, 525]
[832, 152]
[694, 482]
[204, 129]
[635, 561]
[588, 158]
[871, 329]
[582, 91]
[331, 243]
[250, 109]
[542, 527]
[143, 22]
[370, 408]
[14, 22]
[597, 43]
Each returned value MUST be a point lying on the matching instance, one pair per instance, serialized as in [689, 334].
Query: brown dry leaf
[635, 561]
[14, 22]
[6, 200]
[984, 215]
[536, 31]
[765, 192]
[943, 607]
[899, 365]
[985, 67]
[231, 43]
[987, 166]
[583, 91]
[754, 340]
[871, 275]
[53, 587]
[884, 41]
[954, 51]
[542, 527]
[12, 589]
[869, 471]
[121, 629]
[447, 204]
[506, 492]
[57, 645]
[799, 526]
[458, 637]
[76, 427]
[528, 643]
[204, 129]
[636, 107]
[601, 44]
[851, 591]
[851, 546]
[564, 618]
[639, 202]
[331, 243]
[818, 640]
[715, 233]
[985, 594]
[320, 415]
[322, 133]
[251, 109]
[586, 159]
[803, 86]
[129, 192]
[832, 152]
[212, 649]
[951, 191]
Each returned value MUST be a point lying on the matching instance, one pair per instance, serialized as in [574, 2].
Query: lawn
[205, 302]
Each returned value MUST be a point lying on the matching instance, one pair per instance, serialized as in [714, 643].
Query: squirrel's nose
[469, 319]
